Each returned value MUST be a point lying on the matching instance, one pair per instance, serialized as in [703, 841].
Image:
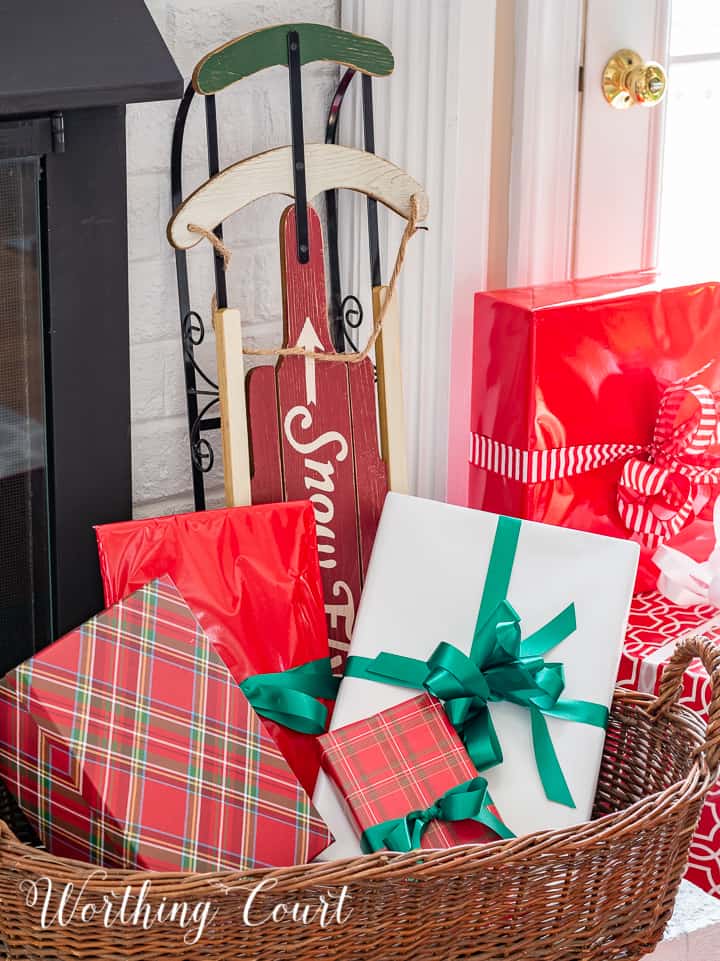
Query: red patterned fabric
[127, 743]
[655, 628]
[398, 761]
[251, 577]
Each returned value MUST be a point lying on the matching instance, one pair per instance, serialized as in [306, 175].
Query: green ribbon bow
[501, 666]
[470, 801]
[291, 697]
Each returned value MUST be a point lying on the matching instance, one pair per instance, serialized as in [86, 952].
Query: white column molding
[653, 194]
[548, 54]
[433, 117]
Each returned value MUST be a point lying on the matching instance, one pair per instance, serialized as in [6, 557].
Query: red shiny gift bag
[251, 577]
[595, 406]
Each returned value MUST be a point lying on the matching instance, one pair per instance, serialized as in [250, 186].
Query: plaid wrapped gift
[655, 628]
[250, 575]
[128, 744]
[398, 761]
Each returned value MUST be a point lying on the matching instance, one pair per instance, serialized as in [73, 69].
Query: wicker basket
[599, 892]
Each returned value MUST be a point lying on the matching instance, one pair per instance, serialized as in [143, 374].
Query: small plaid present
[127, 743]
[406, 761]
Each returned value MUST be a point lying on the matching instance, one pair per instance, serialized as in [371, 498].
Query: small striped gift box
[128, 744]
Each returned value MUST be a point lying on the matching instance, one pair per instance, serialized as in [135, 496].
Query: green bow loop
[291, 697]
[550, 683]
[479, 736]
[406, 833]
[470, 801]
[458, 681]
[526, 683]
[452, 674]
[498, 638]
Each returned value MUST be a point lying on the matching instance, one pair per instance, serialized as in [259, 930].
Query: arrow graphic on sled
[310, 341]
[304, 414]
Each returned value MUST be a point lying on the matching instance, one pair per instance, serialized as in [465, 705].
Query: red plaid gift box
[655, 628]
[401, 760]
[127, 743]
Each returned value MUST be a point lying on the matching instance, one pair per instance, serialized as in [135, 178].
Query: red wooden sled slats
[316, 431]
[266, 483]
[371, 479]
[313, 430]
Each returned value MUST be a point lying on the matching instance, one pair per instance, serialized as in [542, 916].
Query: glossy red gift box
[586, 365]
[250, 575]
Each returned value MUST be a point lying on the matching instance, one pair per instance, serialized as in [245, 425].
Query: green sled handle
[255, 51]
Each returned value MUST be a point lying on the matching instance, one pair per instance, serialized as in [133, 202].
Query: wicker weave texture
[599, 892]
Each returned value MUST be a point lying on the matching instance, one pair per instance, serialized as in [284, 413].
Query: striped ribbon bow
[663, 486]
[658, 496]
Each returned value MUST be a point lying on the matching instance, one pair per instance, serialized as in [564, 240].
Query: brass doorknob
[628, 79]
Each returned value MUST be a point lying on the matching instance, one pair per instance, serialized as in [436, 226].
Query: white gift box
[424, 585]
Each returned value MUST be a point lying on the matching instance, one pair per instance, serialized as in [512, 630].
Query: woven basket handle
[5, 833]
[672, 682]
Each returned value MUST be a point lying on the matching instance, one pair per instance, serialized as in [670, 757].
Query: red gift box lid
[567, 292]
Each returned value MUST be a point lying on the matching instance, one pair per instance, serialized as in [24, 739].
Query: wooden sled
[312, 424]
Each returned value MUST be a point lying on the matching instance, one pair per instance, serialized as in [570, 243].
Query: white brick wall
[253, 116]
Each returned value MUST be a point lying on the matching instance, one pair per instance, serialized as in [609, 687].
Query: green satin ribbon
[291, 697]
[470, 801]
[501, 666]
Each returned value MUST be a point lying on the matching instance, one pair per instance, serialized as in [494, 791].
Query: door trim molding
[653, 193]
[434, 119]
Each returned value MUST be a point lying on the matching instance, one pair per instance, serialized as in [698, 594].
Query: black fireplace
[67, 70]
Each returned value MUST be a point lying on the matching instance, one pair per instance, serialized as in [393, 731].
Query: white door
[619, 157]
[648, 192]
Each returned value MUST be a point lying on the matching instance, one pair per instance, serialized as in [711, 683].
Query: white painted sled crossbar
[327, 167]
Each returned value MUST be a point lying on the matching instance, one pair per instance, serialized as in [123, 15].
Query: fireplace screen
[25, 608]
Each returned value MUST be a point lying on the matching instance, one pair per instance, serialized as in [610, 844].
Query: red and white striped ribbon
[535, 466]
[662, 486]
[679, 464]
